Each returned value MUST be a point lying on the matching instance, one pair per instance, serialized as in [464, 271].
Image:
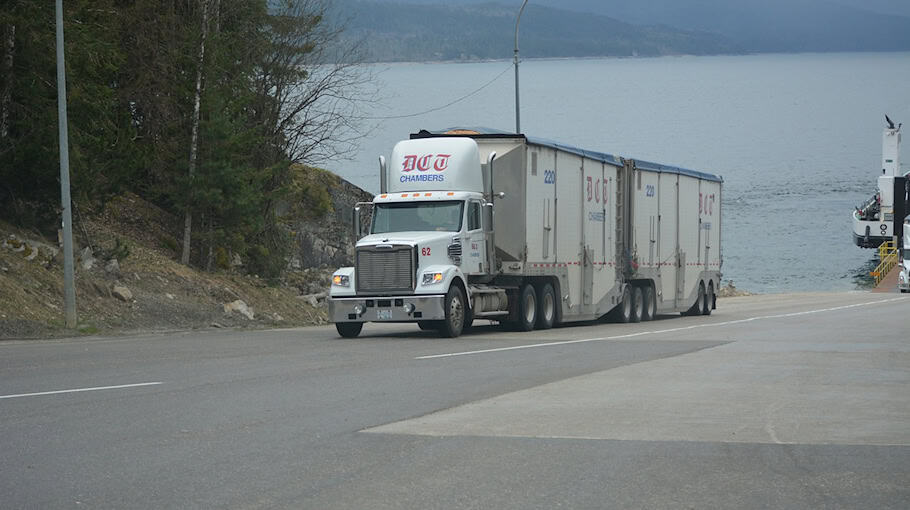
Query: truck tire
[455, 310]
[708, 303]
[637, 304]
[527, 308]
[696, 308]
[649, 301]
[546, 307]
[348, 329]
[623, 311]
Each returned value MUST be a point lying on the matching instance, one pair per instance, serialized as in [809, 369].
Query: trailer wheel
[650, 303]
[696, 308]
[623, 311]
[637, 304]
[546, 307]
[349, 329]
[453, 324]
[527, 308]
[708, 301]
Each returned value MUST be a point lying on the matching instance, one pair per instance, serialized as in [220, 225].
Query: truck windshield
[418, 216]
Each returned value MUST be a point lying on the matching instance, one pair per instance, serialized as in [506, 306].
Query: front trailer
[548, 234]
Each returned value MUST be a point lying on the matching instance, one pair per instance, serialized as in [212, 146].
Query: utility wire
[460, 99]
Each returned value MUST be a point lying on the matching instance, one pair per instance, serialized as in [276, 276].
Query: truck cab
[426, 238]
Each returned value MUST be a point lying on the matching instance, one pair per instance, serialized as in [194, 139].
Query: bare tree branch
[318, 88]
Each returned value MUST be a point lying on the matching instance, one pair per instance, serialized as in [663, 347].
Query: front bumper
[387, 309]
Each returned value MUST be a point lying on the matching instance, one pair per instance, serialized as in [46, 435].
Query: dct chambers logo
[422, 164]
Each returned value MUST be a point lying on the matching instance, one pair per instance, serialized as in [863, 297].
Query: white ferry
[873, 222]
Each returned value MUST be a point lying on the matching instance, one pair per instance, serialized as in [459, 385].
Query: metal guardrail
[887, 255]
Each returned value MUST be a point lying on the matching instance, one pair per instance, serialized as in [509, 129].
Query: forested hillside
[198, 106]
[398, 31]
[737, 25]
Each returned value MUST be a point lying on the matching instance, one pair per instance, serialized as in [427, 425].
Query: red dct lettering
[409, 162]
[442, 161]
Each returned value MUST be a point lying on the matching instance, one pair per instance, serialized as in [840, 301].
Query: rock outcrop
[329, 241]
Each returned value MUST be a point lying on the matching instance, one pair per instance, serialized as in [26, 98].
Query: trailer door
[569, 245]
[668, 241]
[594, 202]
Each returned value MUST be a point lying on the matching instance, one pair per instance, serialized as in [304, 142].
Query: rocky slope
[128, 278]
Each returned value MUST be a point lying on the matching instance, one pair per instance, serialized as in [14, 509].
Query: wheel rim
[548, 307]
[529, 308]
[456, 313]
[638, 306]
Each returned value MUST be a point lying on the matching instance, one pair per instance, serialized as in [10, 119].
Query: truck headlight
[341, 280]
[432, 278]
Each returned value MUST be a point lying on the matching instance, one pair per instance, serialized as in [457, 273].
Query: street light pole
[517, 106]
[69, 289]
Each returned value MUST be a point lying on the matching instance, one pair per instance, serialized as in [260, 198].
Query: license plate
[384, 314]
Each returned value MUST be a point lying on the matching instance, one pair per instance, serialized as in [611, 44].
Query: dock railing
[887, 256]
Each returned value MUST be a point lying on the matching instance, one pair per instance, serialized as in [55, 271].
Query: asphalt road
[787, 401]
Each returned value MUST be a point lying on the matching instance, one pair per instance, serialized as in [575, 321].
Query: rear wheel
[650, 303]
[527, 308]
[348, 329]
[708, 303]
[453, 324]
[696, 308]
[546, 307]
[637, 304]
[623, 311]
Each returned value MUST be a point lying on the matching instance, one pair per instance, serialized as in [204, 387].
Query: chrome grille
[384, 270]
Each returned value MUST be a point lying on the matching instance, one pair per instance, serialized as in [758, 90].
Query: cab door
[474, 251]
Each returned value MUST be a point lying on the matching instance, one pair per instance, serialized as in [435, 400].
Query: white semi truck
[479, 224]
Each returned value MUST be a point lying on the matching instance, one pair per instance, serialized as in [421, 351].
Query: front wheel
[456, 312]
[348, 329]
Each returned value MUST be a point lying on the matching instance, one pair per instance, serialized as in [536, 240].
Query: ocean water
[797, 138]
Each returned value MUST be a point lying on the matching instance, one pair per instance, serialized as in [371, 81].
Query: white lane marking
[78, 390]
[671, 330]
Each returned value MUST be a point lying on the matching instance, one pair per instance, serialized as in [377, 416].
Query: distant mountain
[757, 25]
[395, 31]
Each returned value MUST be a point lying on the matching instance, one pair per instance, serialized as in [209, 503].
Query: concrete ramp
[806, 377]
